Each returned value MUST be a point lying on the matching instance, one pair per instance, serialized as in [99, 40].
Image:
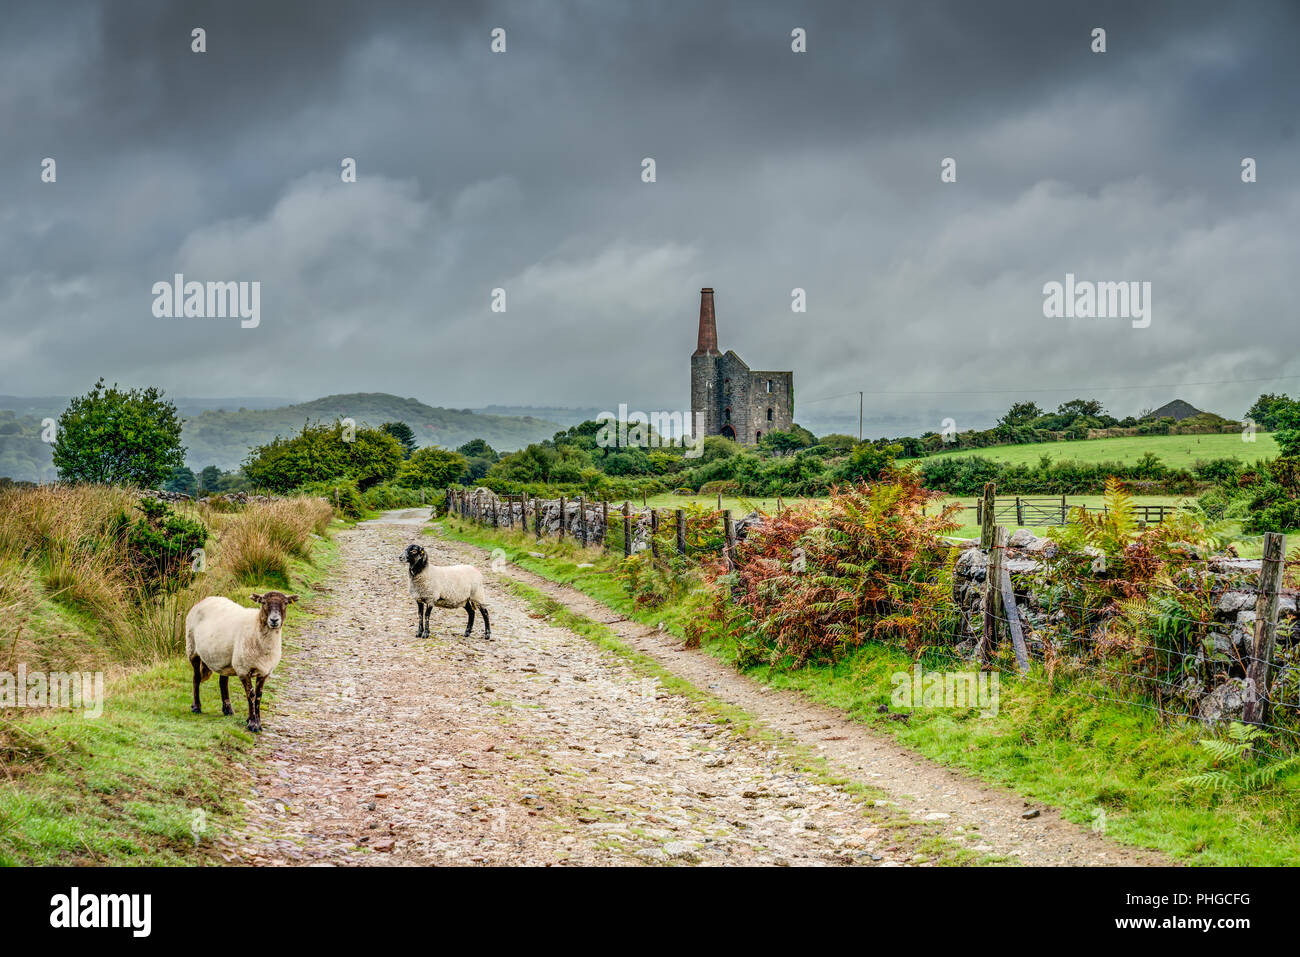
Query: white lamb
[447, 586]
[229, 639]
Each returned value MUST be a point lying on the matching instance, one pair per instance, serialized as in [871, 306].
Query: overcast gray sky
[775, 170]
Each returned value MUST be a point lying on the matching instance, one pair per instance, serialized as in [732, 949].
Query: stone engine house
[735, 401]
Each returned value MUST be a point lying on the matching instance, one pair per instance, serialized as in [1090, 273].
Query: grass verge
[146, 782]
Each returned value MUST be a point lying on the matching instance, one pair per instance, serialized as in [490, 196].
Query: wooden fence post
[1020, 512]
[562, 522]
[604, 523]
[992, 594]
[627, 529]
[654, 531]
[496, 515]
[1255, 709]
[681, 531]
[729, 531]
[719, 501]
[582, 519]
[987, 519]
[523, 513]
[1064, 512]
[537, 517]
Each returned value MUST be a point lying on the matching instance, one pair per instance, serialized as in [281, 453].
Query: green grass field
[1176, 451]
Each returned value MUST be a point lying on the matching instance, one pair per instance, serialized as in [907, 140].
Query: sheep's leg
[225, 695]
[419, 618]
[424, 622]
[257, 699]
[253, 723]
[469, 607]
[487, 626]
[198, 677]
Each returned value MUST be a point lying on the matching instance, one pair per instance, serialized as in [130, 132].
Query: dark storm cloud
[775, 170]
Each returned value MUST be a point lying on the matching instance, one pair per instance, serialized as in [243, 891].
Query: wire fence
[1195, 656]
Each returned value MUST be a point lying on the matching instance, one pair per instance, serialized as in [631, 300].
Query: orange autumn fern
[824, 577]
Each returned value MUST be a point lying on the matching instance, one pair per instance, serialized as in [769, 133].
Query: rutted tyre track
[983, 818]
[536, 748]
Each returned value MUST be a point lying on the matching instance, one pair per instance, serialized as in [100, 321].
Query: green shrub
[160, 545]
[342, 494]
[721, 487]
[324, 453]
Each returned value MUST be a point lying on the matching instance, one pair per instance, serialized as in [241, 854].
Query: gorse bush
[161, 545]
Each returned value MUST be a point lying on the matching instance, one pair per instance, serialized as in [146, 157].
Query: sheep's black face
[275, 605]
[416, 557]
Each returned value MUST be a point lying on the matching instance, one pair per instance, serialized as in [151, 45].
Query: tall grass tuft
[66, 547]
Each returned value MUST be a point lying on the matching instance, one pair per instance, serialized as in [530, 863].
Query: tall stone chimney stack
[708, 340]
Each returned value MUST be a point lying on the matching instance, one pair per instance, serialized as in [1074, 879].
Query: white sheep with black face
[447, 586]
[224, 637]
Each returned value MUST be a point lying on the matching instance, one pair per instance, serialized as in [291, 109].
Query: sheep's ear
[292, 599]
[256, 598]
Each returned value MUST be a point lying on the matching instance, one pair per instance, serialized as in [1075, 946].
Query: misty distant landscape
[221, 432]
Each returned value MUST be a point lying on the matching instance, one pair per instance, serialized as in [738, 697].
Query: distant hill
[1176, 410]
[223, 438]
[561, 415]
[53, 405]
[222, 435]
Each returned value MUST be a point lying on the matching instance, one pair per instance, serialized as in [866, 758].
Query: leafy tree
[1266, 408]
[540, 462]
[117, 437]
[1275, 504]
[479, 457]
[210, 479]
[475, 448]
[1286, 422]
[867, 463]
[403, 433]
[431, 467]
[791, 441]
[182, 480]
[1082, 408]
[1021, 413]
[321, 453]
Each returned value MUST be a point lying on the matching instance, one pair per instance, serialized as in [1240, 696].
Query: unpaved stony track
[982, 818]
[535, 748]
